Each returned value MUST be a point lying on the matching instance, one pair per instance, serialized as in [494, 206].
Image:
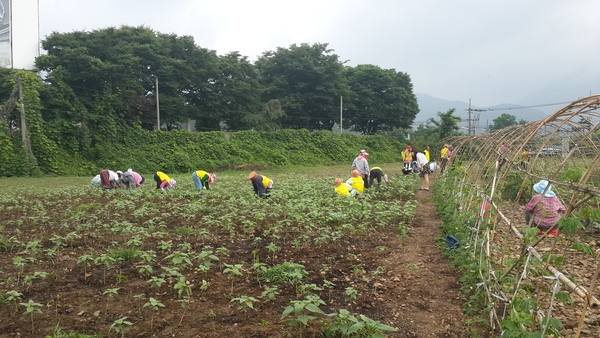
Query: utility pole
[472, 128]
[469, 116]
[341, 104]
[157, 106]
[24, 132]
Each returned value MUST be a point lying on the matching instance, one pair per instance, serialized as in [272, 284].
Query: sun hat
[173, 183]
[252, 175]
[119, 172]
[212, 178]
[364, 152]
[540, 186]
[338, 181]
[355, 172]
[408, 147]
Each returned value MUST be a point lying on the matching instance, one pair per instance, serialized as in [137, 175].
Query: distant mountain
[429, 106]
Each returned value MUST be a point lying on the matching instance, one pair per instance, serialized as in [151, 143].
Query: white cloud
[491, 51]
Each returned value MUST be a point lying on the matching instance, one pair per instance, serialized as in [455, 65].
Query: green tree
[106, 78]
[505, 120]
[447, 125]
[268, 119]
[382, 99]
[308, 80]
[239, 89]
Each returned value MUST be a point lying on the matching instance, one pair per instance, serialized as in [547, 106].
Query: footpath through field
[427, 291]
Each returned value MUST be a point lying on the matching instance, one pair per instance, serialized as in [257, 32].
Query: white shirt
[421, 160]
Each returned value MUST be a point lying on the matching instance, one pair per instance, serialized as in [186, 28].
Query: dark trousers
[375, 175]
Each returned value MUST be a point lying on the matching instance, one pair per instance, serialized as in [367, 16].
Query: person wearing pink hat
[202, 179]
[407, 158]
[361, 164]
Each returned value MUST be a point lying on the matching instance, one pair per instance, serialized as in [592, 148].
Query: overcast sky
[509, 51]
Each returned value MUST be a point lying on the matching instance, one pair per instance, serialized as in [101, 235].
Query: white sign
[5, 34]
[19, 33]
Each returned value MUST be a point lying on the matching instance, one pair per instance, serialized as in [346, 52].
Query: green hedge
[181, 151]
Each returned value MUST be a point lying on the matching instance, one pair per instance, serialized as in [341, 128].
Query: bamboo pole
[585, 306]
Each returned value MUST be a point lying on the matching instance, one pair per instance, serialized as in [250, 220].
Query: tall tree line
[100, 80]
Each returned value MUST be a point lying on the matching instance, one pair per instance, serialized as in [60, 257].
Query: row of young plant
[176, 242]
[502, 280]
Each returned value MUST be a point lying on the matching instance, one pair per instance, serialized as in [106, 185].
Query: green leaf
[569, 225]
[313, 308]
[287, 311]
[583, 247]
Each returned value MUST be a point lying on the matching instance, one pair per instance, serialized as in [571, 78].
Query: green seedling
[155, 305]
[300, 311]
[31, 308]
[121, 325]
[269, 294]
[231, 271]
[110, 293]
[245, 303]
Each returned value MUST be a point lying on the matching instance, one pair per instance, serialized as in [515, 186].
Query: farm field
[144, 263]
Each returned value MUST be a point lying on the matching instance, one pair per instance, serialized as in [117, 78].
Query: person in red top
[545, 208]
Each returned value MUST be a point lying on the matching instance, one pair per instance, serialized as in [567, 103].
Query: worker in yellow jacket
[344, 189]
[163, 182]
[262, 184]
[203, 179]
[356, 182]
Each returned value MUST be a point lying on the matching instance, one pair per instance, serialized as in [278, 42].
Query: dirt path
[426, 287]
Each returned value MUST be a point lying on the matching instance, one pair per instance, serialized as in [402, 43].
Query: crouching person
[344, 189]
[109, 179]
[377, 174]
[163, 182]
[544, 210]
[356, 182]
[127, 179]
[262, 185]
[203, 179]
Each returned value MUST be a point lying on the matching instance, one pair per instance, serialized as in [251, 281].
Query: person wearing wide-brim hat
[261, 184]
[544, 209]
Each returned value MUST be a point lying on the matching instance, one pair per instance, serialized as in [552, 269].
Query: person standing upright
[424, 170]
[407, 158]
[361, 164]
[444, 154]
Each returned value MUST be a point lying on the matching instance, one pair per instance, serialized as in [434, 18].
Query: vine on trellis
[490, 176]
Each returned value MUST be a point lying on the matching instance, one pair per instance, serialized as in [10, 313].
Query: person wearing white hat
[127, 179]
[163, 182]
[361, 163]
[109, 179]
[544, 209]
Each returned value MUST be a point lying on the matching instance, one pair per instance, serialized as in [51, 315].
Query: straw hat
[355, 173]
[252, 175]
[338, 181]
